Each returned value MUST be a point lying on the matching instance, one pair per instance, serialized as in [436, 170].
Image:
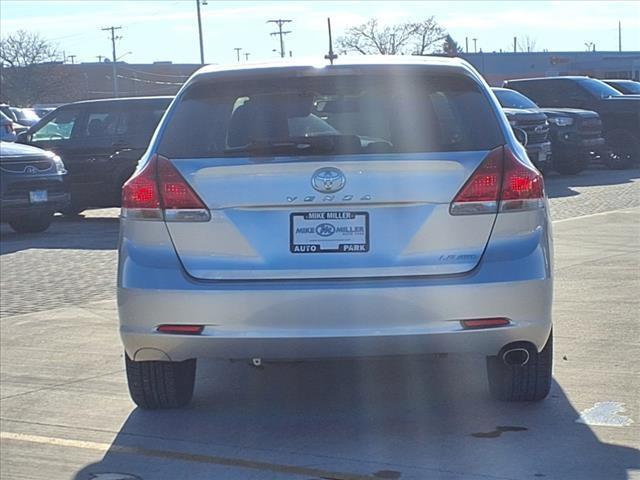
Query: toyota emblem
[328, 180]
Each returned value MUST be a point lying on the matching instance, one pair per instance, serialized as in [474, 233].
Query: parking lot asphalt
[66, 414]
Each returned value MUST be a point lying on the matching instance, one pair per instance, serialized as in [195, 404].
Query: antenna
[330, 56]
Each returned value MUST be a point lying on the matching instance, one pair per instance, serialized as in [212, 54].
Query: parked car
[620, 114]
[31, 187]
[43, 111]
[534, 123]
[17, 126]
[626, 87]
[6, 109]
[305, 212]
[7, 132]
[100, 142]
[25, 116]
[575, 134]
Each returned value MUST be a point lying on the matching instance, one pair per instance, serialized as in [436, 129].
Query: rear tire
[625, 149]
[156, 384]
[73, 211]
[528, 383]
[32, 223]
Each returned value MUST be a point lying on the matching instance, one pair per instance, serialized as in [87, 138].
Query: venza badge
[328, 180]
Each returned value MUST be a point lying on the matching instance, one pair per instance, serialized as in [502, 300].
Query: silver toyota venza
[367, 208]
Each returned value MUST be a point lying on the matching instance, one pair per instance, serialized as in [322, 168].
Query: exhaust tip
[516, 357]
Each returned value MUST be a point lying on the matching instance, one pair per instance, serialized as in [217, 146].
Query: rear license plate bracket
[38, 196]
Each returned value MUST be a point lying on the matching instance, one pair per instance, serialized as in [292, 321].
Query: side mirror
[23, 137]
[521, 136]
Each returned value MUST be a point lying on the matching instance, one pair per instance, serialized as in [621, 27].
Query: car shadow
[80, 233]
[402, 418]
[564, 185]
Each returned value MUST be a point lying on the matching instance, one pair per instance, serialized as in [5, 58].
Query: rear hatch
[331, 177]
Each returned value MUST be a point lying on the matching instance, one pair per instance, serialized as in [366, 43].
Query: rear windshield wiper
[264, 145]
[302, 145]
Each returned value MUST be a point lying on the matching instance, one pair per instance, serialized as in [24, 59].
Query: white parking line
[182, 456]
[620, 210]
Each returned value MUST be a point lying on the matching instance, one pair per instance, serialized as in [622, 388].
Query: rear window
[513, 99]
[350, 114]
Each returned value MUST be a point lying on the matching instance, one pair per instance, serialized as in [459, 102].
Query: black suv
[626, 87]
[575, 134]
[620, 114]
[534, 124]
[100, 142]
[31, 187]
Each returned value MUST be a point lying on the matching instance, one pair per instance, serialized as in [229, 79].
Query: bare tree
[428, 34]
[415, 38]
[527, 44]
[23, 49]
[31, 70]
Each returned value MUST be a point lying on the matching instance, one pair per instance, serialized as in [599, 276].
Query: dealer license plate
[329, 232]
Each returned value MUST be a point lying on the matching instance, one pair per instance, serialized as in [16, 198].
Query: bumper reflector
[181, 329]
[485, 322]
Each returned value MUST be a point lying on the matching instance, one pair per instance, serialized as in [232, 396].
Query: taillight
[522, 186]
[159, 191]
[501, 182]
[481, 192]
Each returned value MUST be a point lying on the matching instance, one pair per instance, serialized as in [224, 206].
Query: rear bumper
[15, 207]
[540, 154]
[576, 143]
[403, 321]
[334, 318]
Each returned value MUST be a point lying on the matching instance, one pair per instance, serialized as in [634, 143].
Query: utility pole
[237, 49]
[113, 63]
[619, 36]
[466, 44]
[100, 57]
[515, 44]
[280, 23]
[475, 45]
[73, 58]
[200, 31]
[246, 56]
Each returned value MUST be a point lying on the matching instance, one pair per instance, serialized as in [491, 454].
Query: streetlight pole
[200, 31]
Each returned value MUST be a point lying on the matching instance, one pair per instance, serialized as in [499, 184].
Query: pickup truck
[575, 135]
[535, 125]
[620, 114]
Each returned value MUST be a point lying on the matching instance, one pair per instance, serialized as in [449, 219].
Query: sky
[166, 30]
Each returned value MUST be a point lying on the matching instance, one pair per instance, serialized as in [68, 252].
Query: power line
[143, 80]
[115, 59]
[280, 22]
[153, 74]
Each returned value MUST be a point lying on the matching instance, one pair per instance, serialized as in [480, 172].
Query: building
[499, 66]
[56, 83]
